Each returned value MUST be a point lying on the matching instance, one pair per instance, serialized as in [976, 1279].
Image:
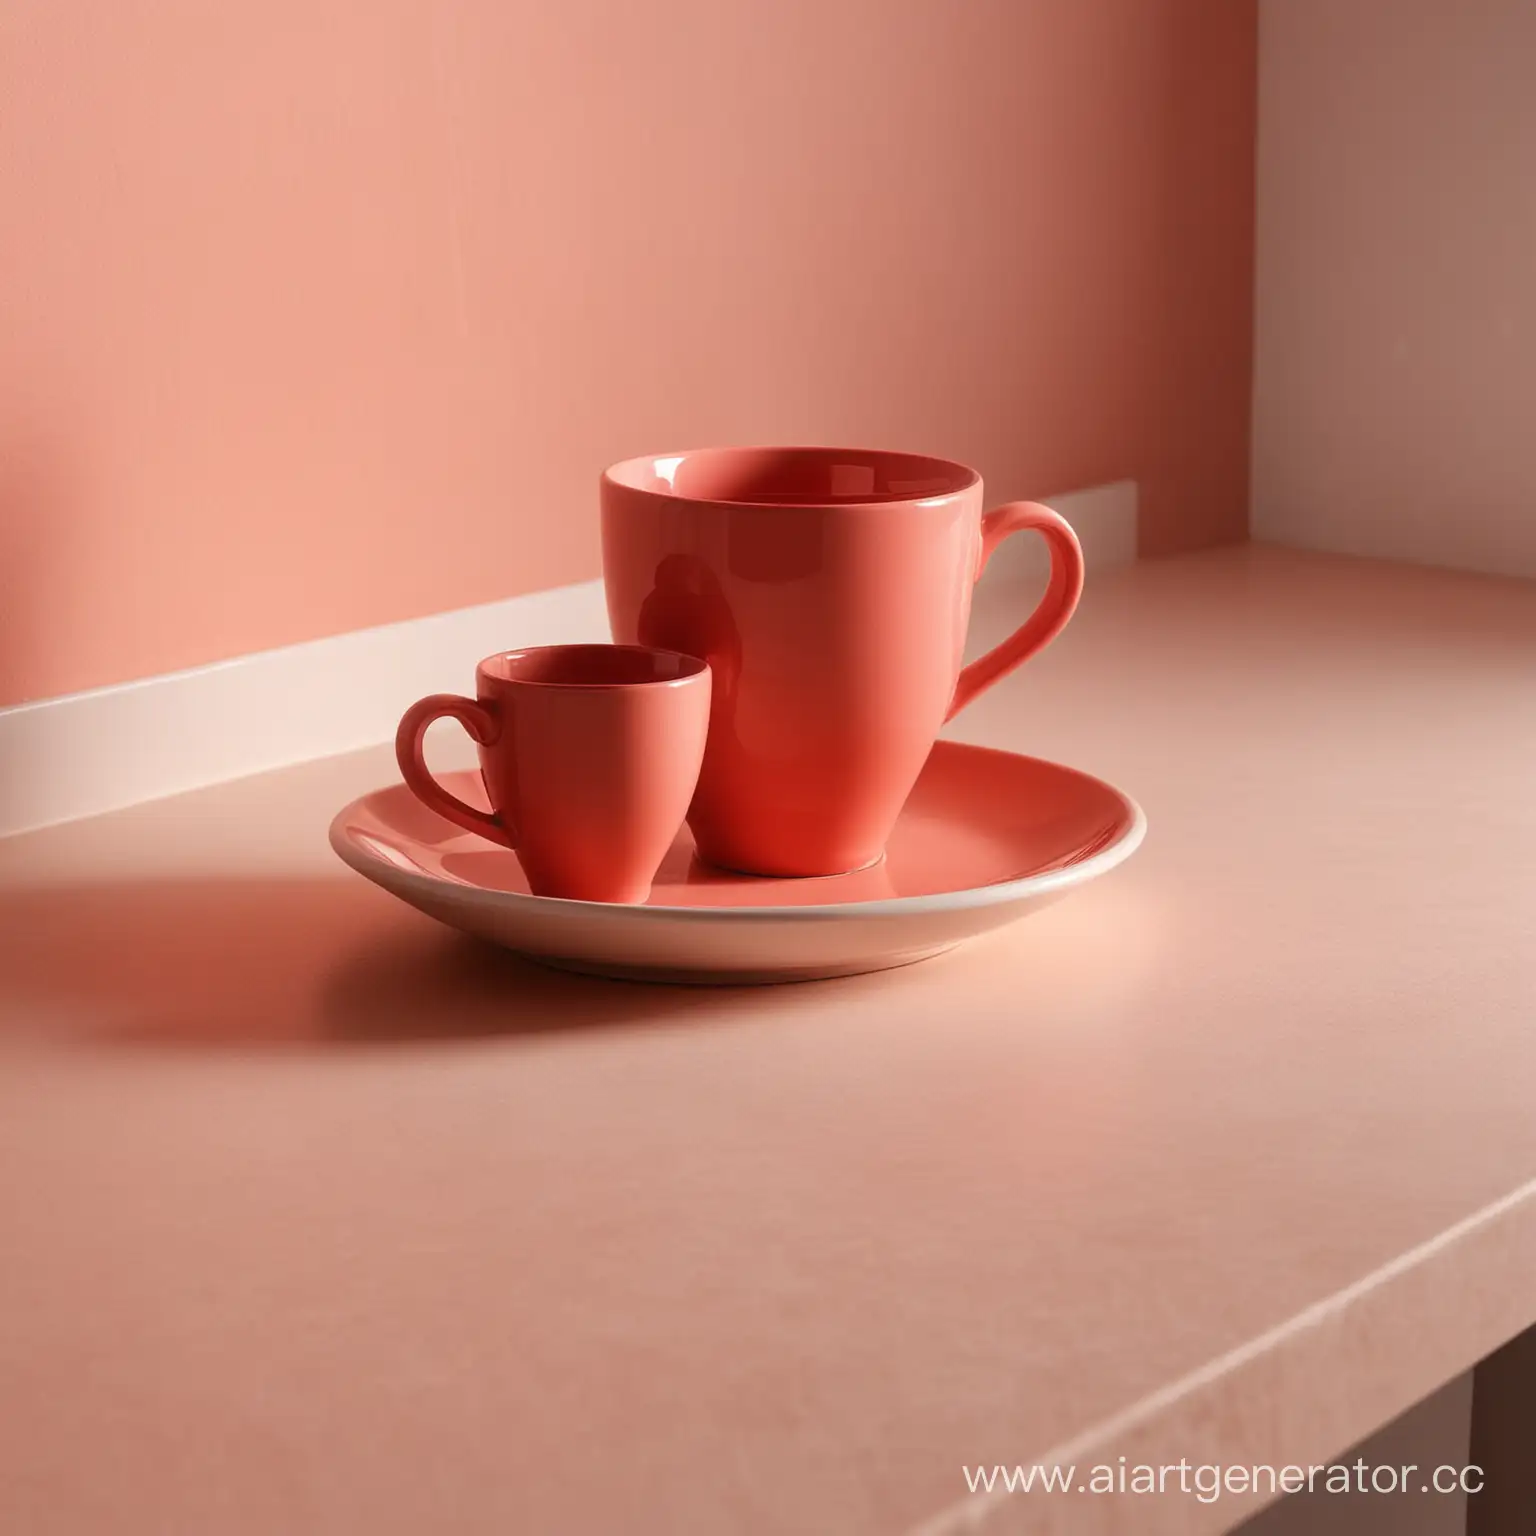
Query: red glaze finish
[589, 755]
[830, 590]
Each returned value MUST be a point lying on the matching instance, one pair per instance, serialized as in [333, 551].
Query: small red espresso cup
[589, 754]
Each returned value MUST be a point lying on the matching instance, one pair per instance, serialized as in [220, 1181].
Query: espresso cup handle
[482, 726]
[1050, 615]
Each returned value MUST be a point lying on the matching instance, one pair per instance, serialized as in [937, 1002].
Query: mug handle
[1054, 609]
[482, 726]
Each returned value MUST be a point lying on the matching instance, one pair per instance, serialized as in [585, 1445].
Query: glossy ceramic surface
[589, 755]
[985, 837]
[830, 590]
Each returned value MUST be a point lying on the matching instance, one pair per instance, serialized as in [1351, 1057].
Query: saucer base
[986, 837]
[688, 977]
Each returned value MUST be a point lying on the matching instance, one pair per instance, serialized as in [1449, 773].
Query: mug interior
[590, 666]
[788, 477]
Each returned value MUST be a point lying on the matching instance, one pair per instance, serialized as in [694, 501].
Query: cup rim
[967, 479]
[690, 668]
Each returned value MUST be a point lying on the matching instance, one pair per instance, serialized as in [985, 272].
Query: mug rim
[690, 668]
[965, 478]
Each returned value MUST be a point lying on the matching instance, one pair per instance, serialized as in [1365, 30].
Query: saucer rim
[997, 893]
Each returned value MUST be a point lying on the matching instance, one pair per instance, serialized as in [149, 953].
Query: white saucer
[985, 838]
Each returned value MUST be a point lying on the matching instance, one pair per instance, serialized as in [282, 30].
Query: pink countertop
[319, 1219]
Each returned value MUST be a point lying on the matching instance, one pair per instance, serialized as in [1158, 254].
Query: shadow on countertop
[203, 963]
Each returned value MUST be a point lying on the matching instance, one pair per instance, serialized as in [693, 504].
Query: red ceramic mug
[589, 755]
[829, 589]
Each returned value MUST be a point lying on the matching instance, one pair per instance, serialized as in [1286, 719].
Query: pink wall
[1395, 383]
[320, 315]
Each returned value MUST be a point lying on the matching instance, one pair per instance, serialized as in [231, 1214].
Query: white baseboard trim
[88, 753]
